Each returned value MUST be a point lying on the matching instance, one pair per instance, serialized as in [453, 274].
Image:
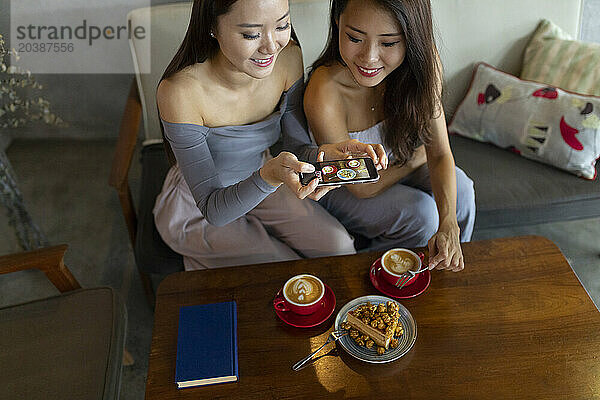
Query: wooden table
[516, 323]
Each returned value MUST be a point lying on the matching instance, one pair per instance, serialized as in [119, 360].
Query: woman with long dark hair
[232, 90]
[379, 79]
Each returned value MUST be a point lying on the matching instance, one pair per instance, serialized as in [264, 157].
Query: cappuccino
[303, 289]
[399, 261]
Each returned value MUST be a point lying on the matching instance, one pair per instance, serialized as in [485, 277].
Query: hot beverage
[398, 261]
[303, 289]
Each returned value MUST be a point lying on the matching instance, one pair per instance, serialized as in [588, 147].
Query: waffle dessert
[371, 324]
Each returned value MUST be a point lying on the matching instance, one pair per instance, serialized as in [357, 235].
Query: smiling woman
[379, 79]
[263, 39]
[232, 90]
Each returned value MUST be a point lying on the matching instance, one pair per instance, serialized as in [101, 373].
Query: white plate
[405, 342]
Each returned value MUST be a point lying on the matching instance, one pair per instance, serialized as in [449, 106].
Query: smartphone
[342, 172]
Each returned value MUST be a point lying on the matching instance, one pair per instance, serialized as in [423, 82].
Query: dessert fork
[333, 337]
[407, 276]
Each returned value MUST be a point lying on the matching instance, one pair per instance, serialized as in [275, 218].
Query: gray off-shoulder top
[221, 165]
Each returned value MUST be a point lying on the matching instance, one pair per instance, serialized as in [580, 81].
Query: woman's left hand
[352, 147]
[444, 248]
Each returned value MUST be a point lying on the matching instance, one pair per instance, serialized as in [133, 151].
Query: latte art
[304, 289]
[399, 262]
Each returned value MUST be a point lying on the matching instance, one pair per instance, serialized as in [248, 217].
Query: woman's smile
[263, 62]
[368, 72]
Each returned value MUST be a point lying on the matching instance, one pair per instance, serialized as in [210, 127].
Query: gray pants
[280, 228]
[405, 215]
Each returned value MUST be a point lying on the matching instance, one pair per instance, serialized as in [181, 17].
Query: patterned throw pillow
[554, 58]
[537, 121]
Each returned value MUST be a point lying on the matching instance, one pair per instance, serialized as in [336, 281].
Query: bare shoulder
[291, 61]
[176, 99]
[322, 90]
[324, 106]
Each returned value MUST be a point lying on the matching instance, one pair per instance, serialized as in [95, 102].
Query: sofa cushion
[513, 191]
[539, 122]
[65, 347]
[554, 58]
[152, 254]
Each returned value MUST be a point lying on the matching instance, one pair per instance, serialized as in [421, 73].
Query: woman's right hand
[284, 169]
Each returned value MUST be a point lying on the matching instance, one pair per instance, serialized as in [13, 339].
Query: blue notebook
[207, 345]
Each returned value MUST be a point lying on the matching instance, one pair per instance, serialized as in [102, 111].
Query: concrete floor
[65, 187]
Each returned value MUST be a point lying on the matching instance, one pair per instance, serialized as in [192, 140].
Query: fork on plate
[333, 337]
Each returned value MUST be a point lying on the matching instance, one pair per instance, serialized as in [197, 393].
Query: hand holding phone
[342, 172]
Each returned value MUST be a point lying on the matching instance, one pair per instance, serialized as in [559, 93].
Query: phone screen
[339, 172]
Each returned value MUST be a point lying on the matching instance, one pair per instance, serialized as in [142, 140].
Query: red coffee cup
[301, 294]
[394, 262]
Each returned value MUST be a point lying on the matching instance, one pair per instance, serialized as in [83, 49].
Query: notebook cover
[207, 344]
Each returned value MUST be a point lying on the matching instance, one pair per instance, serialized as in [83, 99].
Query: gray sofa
[510, 190]
[67, 346]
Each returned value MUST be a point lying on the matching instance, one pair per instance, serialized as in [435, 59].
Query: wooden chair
[152, 255]
[66, 346]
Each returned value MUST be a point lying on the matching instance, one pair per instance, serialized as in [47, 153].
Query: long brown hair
[198, 45]
[412, 94]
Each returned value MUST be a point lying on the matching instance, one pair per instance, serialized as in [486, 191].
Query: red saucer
[314, 319]
[413, 290]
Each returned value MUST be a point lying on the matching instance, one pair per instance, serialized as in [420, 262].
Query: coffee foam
[303, 290]
[400, 262]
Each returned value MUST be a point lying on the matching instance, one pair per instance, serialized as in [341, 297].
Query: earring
[212, 35]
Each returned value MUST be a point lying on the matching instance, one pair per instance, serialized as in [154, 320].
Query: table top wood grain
[516, 323]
